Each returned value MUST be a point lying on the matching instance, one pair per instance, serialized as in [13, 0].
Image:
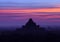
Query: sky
[30, 3]
[17, 12]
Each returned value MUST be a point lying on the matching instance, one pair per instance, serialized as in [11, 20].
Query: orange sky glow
[31, 10]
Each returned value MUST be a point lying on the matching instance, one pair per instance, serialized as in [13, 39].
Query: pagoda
[31, 25]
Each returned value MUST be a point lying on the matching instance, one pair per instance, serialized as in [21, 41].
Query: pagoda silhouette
[31, 28]
[30, 25]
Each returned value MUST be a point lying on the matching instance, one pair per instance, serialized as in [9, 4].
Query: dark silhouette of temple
[31, 25]
[31, 28]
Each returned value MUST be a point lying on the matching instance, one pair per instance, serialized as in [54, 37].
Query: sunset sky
[17, 12]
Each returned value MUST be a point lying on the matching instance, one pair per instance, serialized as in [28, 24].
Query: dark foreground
[30, 32]
[26, 36]
[20, 38]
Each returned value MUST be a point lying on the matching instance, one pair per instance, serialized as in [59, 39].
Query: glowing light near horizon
[31, 10]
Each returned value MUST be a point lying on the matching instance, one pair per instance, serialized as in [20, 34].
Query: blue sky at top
[28, 3]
